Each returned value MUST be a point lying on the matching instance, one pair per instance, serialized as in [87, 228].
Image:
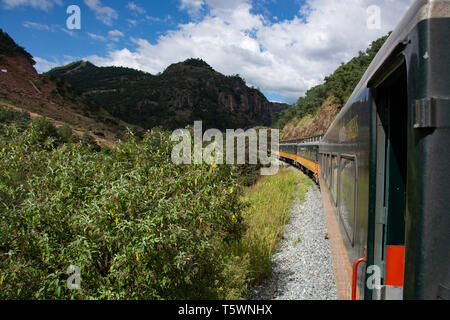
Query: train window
[348, 195]
[334, 178]
[322, 166]
[329, 167]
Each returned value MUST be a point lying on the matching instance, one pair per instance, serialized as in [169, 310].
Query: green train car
[384, 165]
[385, 158]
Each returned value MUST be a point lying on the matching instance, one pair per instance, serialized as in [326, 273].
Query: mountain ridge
[185, 92]
[104, 101]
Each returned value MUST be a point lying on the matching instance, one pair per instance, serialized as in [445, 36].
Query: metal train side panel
[428, 209]
[348, 145]
[367, 125]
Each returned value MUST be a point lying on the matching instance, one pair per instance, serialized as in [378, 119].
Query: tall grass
[269, 210]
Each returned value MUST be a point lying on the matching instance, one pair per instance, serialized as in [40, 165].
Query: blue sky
[283, 47]
[43, 32]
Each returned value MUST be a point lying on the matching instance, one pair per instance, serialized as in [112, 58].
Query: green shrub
[20, 118]
[65, 133]
[10, 115]
[138, 226]
[90, 142]
[43, 132]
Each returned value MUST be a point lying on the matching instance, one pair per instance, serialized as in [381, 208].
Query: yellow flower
[158, 150]
[231, 190]
[196, 181]
[110, 269]
[214, 165]
[201, 220]
[137, 257]
[162, 170]
[123, 151]
[233, 217]
[117, 221]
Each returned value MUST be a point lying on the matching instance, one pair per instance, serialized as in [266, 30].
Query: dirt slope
[312, 125]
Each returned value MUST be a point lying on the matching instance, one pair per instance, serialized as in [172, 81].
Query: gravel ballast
[302, 267]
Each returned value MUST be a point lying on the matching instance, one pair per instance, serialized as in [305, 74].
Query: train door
[392, 123]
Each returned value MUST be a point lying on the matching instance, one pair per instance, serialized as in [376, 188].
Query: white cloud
[103, 13]
[46, 27]
[194, 7]
[132, 22]
[96, 37]
[133, 7]
[38, 4]
[43, 65]
[69, 32]
[35, 25]
[286, 57]
[114, 35]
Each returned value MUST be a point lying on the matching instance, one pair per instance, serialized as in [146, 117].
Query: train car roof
[419, 11]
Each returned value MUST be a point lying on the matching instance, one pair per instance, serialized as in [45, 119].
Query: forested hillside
[330, 96]
[183, 93]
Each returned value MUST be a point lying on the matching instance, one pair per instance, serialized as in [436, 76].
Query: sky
[282, 47]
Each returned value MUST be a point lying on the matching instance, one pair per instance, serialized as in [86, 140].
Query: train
[383, 167]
